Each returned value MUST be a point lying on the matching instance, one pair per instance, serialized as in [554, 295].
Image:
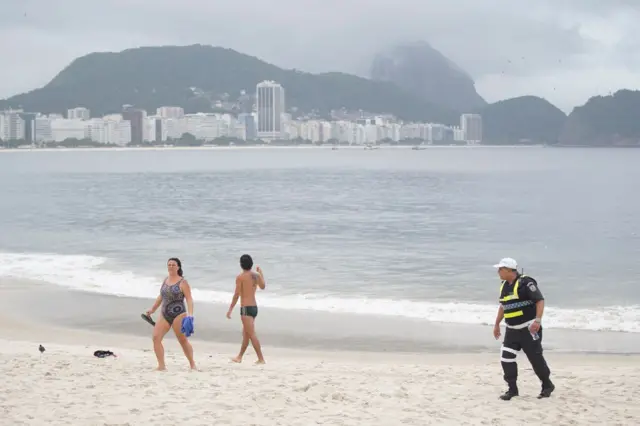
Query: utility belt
[521, 326]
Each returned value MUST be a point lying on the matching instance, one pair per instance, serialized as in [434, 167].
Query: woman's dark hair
[246, 262]
[175, 259]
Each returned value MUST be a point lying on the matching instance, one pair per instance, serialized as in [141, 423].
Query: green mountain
[197, 77]
[420, 69]
[605, 121]
[189, 76]
[527, 119]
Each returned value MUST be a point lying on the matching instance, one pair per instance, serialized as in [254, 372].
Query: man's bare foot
[260, 361]
[163, 368]
[194, 368]
[237, 359]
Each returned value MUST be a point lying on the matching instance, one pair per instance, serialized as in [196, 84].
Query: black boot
[509, 394]
[546, 390]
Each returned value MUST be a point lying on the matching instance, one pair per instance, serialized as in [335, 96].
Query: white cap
[507, 262]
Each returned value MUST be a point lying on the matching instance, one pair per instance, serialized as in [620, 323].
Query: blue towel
[187, 326]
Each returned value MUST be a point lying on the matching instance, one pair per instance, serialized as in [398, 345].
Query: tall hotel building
[471, 125]
[270, 108]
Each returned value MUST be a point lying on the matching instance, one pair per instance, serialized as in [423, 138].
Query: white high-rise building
[42, 126]
[62, 129]
[12, 126]
[170, 112]
[4, 128]
[270, 108]
[471, 125]
[78, 114]
[458, 134]
[149, 128]
[117, 130]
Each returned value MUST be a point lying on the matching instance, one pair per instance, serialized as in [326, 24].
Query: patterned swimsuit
[172, 301]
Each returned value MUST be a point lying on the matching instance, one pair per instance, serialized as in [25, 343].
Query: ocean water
[389, 232]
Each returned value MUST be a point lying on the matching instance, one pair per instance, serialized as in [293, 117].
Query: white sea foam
[87, 273]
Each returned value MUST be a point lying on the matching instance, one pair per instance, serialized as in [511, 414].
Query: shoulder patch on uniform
[532, 287]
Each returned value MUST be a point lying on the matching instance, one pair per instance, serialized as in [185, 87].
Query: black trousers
[514, 340]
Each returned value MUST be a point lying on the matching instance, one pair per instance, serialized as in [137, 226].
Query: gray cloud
[563, 50]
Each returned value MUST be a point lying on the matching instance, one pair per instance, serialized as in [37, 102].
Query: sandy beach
[381, 290]
[67, 385]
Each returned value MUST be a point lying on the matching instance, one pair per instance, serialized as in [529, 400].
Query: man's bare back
[247, 282]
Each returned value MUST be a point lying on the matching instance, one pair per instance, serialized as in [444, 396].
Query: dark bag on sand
[104, 354]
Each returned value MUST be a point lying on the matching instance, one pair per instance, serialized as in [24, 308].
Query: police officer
[521, 306]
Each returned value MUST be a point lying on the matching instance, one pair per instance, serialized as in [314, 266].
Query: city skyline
[113, 129]
[268, 121]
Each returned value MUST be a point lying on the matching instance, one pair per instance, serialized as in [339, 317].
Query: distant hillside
[194, 77]
[423, 71]
[526, 118]
[605, 120]
[186, 76]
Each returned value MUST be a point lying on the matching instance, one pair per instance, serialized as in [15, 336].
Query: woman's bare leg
[182, 339]
[161, 328]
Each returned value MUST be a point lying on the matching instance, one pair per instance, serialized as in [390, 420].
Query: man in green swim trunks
[246, 285]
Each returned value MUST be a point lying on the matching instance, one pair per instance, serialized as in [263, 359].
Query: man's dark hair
[246, 262]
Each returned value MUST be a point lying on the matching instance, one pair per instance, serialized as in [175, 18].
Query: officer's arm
[500, 315]
[535, 294]
[539, 309]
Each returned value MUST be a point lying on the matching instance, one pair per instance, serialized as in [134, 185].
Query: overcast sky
[562, 50]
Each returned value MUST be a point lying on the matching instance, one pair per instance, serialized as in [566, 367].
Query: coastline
[212, 147]
[290, 329]
[67, 385]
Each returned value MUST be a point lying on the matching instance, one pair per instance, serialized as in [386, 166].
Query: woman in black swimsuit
[175, 289]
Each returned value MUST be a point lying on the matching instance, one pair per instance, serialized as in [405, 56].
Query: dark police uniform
[519, 303]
